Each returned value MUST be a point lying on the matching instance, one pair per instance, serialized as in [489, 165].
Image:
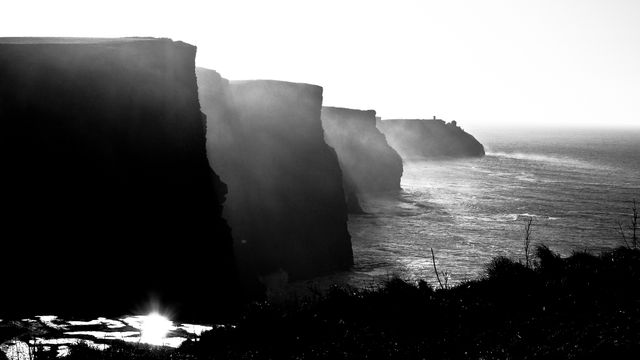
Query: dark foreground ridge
[107, 194]
[286, 202]
[369, 165]
[580, 307]
[429, 139]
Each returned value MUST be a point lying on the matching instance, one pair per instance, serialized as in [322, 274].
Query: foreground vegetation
[581, 307]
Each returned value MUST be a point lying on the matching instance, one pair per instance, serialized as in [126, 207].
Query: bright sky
[558, 62]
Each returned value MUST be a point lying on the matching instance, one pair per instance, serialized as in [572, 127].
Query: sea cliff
[286, 202]
[419, 139]
[107, 194]
[369, 164]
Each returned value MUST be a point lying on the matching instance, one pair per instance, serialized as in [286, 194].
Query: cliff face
[368, 163]
[107, 194]
[285, 202]
[416, 139]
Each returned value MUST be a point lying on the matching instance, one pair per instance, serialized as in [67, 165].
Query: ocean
[576, 184]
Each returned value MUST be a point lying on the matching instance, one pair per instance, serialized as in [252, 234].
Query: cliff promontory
[368, 163]
[107, 195]
[285, 202]
[419, 139]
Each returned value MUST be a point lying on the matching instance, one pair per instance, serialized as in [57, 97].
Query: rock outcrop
[368, 163]
[285, 202]
[107, 195]
[419, 139]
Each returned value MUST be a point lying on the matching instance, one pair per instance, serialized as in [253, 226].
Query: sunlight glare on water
[154, 329]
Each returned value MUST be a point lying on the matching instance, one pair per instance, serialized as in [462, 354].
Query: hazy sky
[556, 62]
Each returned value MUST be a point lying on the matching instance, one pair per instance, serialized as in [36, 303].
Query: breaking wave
[556, 160]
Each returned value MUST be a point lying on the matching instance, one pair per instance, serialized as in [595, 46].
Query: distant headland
[429, 139]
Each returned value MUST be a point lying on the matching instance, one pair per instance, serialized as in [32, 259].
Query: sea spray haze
[285, 202]
[364, 154]
[370, 166]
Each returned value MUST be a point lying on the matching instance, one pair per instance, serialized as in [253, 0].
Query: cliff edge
[419, 139]
[368, 163]
[285, 202]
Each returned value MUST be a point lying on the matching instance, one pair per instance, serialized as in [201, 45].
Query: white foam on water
[558, 160]
[195, 329]
[111, 324]
[48, 320]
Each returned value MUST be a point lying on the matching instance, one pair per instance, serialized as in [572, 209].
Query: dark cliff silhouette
[286, 202]
[419, 139]
[107, 195]
[369, 165]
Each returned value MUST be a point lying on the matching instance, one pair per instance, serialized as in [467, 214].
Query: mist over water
[575, 184]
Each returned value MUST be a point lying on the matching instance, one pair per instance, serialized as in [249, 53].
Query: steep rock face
[285, 202]
[415, 139]
[107, 195]
[368, 163]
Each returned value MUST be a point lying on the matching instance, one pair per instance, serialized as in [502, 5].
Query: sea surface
[576, 184]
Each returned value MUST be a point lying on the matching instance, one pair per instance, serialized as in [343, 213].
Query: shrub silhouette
[582, 307]
[547, 259]
[504, 269]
